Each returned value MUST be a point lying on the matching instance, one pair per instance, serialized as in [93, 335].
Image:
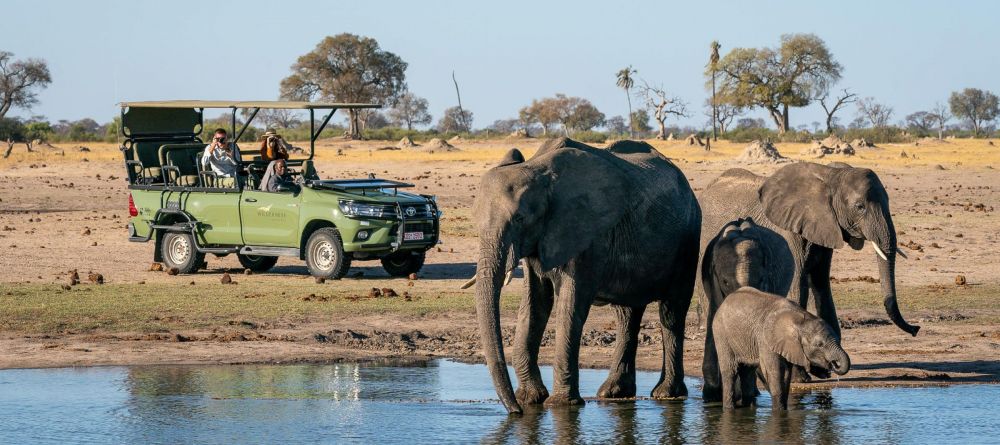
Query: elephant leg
[748, 385]
[728, 372]
[778, 380]
[621, 379]
[673, 314]
[572, 306]
[532, 316]
[819, 282]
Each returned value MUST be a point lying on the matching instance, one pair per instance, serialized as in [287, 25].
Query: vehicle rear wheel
[179, 252]
[325, 254]
[257, 263]
[402, 264]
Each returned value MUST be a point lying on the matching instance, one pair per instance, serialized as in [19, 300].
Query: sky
[908, 55]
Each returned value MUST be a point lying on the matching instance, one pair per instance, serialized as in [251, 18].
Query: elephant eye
[860, 206]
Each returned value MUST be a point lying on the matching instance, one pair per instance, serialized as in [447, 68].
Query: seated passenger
[272, 146]
[276, 176]
[219, 156]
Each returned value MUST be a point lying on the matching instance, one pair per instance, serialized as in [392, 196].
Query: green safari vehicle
[189, 213]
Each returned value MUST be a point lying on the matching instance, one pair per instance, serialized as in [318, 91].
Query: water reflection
[446, 402]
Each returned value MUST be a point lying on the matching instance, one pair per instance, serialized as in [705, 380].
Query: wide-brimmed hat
[269, 133]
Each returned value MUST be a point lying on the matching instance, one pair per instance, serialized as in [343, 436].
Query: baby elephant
[756, 329]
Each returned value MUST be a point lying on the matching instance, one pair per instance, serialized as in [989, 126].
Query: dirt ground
[64, 209]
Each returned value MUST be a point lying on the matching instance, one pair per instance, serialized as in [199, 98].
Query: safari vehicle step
[269, 251]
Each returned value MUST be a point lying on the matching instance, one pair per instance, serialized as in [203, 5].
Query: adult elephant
[816, 209]
[618, 226]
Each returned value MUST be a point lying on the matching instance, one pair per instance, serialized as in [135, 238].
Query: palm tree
[625, 82]
[713, 63]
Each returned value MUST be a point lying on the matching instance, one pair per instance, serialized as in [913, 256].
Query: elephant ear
[512, 157]
[710, 281]
[786, 339]
[587, 198]
[798, 198]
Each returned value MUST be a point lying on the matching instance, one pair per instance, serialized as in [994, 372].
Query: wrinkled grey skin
[815, 208]
[618, 226]
[742, 254]
[756, 329]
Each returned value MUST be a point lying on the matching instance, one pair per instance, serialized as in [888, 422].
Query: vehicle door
[270, 218]
[218, 212]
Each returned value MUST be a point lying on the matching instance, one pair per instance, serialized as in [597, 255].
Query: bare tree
[662, 105]
[724, 114]
[876, 114]
[713, 66]
[942, 115]
[279, 118]
[20, 81]
[835, 105]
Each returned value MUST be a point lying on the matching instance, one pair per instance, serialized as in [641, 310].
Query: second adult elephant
[816, 209]
[618, 226]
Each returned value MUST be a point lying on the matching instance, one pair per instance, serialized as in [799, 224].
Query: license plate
[413, 236]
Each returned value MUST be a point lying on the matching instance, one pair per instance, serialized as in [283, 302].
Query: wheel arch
[308, 230]
[165, 219]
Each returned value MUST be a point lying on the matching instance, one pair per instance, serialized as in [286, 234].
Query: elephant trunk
[885, 246]
[491, 271]
[840, 362]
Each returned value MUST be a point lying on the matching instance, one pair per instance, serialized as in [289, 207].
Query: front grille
[430, 235]
[416, 211]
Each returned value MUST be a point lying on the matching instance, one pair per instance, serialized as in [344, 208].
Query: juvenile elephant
[756, 329]
[815, 208]
[742, 254]
[618, 226]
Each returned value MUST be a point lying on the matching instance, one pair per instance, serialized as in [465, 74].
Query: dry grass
[46, 308]
[950, 152]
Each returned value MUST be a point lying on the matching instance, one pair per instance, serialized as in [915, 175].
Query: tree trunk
[777, 118]
[354, 130]
[715, 112]
[829, 123]
[784, 119]
[662, 135]
[628, 98]
[28, 144]
[10, 148]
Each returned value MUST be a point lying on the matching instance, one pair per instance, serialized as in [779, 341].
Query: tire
[179, 252]
[257, 263]
[325, 256]
[402, 264]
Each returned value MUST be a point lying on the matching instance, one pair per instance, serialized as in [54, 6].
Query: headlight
[351, 208]
[430, 209]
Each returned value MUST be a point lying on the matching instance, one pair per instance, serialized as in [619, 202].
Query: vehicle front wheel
[257, 263]
[402, 264]
[179, 252]
[325, 254]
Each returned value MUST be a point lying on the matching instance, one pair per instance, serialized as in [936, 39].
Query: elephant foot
[531, 394]
[564, 399]
[674, 390]
[617, 387]
[711, 394]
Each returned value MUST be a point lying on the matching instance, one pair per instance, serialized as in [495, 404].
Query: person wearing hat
[272, 146]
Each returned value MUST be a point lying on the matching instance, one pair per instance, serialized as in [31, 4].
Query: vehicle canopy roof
[184, 118]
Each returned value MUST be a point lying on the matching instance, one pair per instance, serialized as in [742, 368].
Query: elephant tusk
[469, 283]
[507, 279]
[902, 253]
[879, 251]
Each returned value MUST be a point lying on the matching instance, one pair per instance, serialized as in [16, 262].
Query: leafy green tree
[20, 81]
[640, 122]
[976, 106]
[455, 120]
[921, 123]
[625, 82]
[776, 79]
[347, 68]
[36, 131]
